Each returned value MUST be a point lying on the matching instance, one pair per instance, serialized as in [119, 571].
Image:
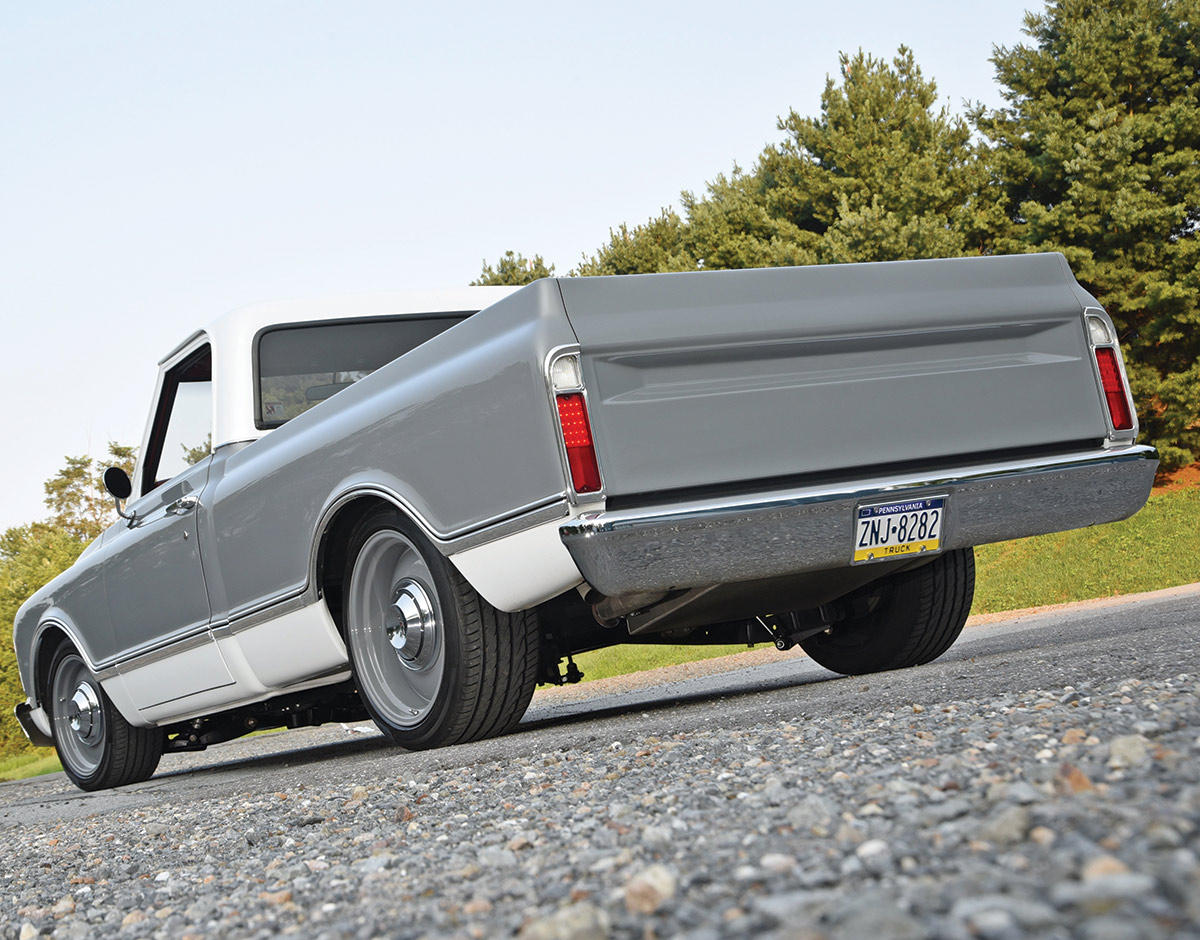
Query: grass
[622, 660]
[1145, 553]
[28, 764]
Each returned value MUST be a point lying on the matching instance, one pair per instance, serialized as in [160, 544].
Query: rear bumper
[772, 534]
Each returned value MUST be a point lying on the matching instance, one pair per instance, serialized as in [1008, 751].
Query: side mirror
[117, 482]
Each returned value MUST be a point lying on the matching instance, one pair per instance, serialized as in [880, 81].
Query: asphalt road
[1148, 636]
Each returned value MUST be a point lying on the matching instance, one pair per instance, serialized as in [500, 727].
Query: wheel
[435, 664]
[907, 619]
[97, 747]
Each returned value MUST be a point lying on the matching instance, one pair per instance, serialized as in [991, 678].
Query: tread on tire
[908, 619]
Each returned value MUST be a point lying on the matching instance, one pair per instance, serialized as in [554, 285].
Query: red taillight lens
[1114, 389]
[577, 436]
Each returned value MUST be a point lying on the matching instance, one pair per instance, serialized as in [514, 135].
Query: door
[154, 574]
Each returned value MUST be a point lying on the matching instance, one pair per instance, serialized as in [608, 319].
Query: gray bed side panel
[461, 427]
[715, 377]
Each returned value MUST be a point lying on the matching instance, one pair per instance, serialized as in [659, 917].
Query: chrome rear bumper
[772, 534]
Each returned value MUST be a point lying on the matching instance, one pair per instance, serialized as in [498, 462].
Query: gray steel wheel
[79, 724]
[396, 629]
[435, 663]
[98, 748]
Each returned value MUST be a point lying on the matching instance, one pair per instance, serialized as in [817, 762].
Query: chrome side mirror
[117, 482]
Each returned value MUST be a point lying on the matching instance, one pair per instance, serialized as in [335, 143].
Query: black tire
[97, 747]
[907, 619]
[434, 663]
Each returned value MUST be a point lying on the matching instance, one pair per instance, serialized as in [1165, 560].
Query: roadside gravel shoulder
[840, 810]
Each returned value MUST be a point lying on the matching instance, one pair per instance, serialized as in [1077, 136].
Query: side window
[182, 431]
[300, 365]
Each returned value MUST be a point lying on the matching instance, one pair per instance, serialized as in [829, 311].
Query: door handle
[182, 506]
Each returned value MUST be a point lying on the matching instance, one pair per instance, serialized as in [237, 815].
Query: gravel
[1055, 812]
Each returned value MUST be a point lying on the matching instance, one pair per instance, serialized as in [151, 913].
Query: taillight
[1114, 389]
[577, 436]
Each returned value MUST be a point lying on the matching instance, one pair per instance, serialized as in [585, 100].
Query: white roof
[232, 337]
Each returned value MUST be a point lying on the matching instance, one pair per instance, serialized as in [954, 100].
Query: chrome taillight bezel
[1101, 334]
[568, 380]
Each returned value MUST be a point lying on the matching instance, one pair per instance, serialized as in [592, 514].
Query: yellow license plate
[903, 527]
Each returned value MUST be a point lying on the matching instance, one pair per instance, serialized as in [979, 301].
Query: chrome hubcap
[83, 713]
[411, 625]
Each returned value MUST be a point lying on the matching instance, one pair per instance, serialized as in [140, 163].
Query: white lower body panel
[519, 571]
[297, 650]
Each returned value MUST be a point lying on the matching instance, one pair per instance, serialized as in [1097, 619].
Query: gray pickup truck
[416, 507]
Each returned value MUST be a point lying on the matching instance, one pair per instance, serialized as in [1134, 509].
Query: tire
[907, 619]
[97, 747]
[434, 663]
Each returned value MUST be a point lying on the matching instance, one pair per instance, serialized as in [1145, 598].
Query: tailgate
[718, 377]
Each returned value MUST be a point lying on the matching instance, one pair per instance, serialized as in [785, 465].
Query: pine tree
[514, 270]
[1097, 155]
[734, 226]
[882, 174]
[650, 248]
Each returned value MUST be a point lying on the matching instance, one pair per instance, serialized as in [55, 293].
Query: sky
[162, 164]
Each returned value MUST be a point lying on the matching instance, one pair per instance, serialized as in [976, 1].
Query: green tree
[1097, 155]
[193, 455]
[734, 226]
[513, 270]
[653, 247]
[882, 174]
[79, 505]
[30, 556]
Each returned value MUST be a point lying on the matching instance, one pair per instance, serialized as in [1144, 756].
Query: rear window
[300, 366]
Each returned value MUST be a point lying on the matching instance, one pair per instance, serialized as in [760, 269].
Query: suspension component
[787, 630]
[551, 674]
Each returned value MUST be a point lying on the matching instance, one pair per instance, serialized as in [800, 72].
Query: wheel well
[48, 642]
[335, 542]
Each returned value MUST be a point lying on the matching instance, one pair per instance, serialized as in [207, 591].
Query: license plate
[903, 527]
